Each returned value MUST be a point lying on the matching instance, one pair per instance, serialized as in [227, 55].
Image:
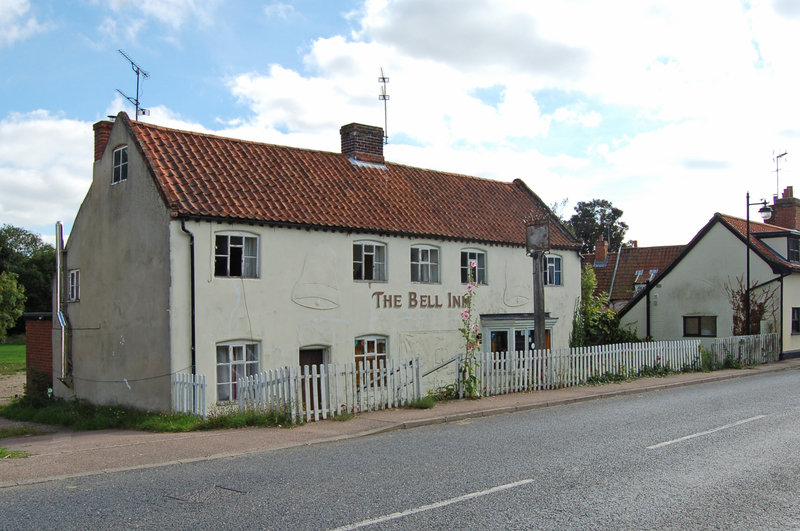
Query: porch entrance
[312, 356]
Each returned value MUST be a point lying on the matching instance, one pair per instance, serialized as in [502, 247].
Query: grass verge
[20, 431]
[12, 454]
[12, 359]
[81, 415]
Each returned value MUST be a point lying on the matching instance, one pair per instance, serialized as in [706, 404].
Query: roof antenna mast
[777, 160]
[139, 73]
[384, 98]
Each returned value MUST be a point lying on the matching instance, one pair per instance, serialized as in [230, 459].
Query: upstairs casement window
[234, 361]
[552, 272]
[74, 294]
[369, 261]
[468, 256]
[700, 326]
[793, 252]
[236, 255]
[424, 264]
[119, 166]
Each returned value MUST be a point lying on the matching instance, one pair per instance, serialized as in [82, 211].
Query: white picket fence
[314, 392]
[189, 394]
[748, 350]
[511, 372]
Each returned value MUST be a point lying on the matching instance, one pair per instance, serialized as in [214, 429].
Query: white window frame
[366, 248]
[480, 271]
[427, 269]
[119, 165]
[74, 287]
[248, 266]
[793, 249]
[234, 359]
[371, 352]
[554, 267]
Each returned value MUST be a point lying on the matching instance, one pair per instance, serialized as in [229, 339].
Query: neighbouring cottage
[196, 253]
[691, 296]
[624, 273]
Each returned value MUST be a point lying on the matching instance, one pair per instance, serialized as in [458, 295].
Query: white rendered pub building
[223, 257]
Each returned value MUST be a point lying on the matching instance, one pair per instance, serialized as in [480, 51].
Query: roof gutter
[358, 230]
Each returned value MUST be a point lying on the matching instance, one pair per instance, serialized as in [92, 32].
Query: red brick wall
[39, 348]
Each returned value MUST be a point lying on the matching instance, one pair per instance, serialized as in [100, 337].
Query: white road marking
[436, 505]
[692, 436]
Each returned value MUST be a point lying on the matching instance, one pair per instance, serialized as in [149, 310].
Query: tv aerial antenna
[140, 73]
[384, 98]
[777, 160]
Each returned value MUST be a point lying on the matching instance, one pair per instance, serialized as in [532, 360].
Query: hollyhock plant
[469, 376]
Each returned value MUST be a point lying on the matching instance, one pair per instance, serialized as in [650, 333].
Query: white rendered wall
[305, 296]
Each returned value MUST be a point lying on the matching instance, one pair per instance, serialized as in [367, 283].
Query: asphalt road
[724, 455]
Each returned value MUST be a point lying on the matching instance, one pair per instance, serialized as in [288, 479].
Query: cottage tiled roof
[604, 273]
[622, 270]
[208, 176]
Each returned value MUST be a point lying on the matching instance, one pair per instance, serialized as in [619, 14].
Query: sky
[672, 110]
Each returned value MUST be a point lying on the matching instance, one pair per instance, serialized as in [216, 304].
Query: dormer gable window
[119, 167]
[793, 252]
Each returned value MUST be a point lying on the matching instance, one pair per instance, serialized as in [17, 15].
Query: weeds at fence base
[344, 415]
[426, 402]
[447, 392]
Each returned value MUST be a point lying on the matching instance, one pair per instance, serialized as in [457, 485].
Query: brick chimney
[786, 211]
[600, 251]
[362, 142]
[102, 132]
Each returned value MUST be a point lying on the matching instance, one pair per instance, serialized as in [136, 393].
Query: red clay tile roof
[619, 276]
[207, 176]
[603, 273]
[645, 259]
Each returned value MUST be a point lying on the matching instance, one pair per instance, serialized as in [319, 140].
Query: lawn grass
[12, 358]
[81, 415]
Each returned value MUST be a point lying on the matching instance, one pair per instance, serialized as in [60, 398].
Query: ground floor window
[796, 320]
[369, 352]
[700, 326]
[234, 361]
[515, 339]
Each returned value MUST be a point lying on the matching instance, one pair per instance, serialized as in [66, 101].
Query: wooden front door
[309, 357]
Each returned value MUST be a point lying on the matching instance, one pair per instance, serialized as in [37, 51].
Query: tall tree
[598, 217]
[32, 261]
[12, 302]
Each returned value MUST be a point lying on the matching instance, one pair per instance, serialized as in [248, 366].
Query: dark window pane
[235, 261]
[221, 266]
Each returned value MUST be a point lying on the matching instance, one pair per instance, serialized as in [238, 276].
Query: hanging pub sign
[537, 235]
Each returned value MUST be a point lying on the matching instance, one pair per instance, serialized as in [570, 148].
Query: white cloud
[46, 167]
[131, 17]
[16, 23]
[280, 10]
[653, 110]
